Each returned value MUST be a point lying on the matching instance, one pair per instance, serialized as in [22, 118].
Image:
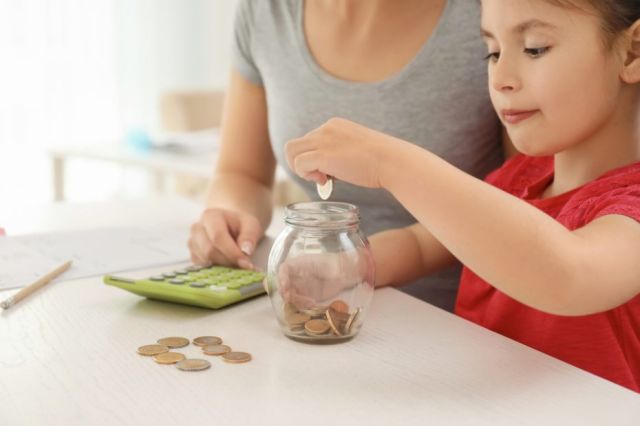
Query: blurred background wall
[91, 74]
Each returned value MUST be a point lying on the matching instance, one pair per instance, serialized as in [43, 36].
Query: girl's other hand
[342, 149]
[223, 237]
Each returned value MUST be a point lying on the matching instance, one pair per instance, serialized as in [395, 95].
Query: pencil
[31, 288]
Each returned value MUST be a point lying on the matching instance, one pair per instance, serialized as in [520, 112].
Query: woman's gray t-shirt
[439, 101]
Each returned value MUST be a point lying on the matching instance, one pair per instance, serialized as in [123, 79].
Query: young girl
[551, 240]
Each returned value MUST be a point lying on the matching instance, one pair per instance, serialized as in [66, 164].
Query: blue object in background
[139, 140]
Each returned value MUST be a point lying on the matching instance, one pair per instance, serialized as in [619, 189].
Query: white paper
[24, 259]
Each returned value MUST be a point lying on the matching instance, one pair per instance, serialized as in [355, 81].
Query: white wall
[165, 45]
[85, 72]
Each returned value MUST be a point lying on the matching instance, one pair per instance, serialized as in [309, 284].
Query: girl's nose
[504, 76]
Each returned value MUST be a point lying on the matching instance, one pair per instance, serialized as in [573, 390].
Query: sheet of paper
[24, 259]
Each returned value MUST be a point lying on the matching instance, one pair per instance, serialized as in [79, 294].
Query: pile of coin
[211, 345]
[322, 322]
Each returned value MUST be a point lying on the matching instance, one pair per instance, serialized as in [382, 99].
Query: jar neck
[323, 215]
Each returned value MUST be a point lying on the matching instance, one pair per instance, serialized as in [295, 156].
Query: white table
[68, 357]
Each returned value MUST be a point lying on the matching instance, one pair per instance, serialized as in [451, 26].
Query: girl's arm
[420, 252]
[514, 246]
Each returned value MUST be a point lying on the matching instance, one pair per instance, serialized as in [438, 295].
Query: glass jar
[320, 276]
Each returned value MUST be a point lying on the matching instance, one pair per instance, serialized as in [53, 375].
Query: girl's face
[552, 80]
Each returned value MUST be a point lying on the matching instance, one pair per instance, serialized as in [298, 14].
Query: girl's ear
[631, 70]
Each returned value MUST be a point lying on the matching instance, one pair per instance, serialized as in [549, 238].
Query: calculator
[208, 287]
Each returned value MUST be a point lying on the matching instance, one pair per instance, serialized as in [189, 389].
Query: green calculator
[208, 287]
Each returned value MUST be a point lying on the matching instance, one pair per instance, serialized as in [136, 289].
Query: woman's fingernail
[245, 264]
[246, 247]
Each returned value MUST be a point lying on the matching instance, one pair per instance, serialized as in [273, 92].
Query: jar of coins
[320, 276]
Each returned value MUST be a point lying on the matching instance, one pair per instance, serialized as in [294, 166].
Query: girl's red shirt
[606, 344]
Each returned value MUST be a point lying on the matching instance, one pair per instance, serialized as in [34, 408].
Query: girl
[551, 239]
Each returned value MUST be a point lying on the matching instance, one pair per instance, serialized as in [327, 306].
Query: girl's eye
[537, 51]
[492, 56]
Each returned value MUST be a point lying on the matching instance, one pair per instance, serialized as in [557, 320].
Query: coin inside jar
[216, 349]
[236, 357]
[193, 364]
[168, 358]
[174, 342]
[339, 305]
[297, 319]
[207, 340]
[151, 350]
[337, 321]
[325, 190]
[317, 326]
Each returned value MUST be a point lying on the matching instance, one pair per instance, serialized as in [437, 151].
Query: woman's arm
[245, 169]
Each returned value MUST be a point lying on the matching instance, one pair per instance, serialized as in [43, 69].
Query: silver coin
[325, 190]
[193, 364]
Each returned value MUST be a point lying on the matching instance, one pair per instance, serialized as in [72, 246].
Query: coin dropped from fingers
[325, 190]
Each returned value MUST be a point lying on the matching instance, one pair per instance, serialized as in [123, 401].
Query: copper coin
[352, 320]
[193, 364]
[216, 349]
[339, 306]
[174, 342]
[151, 350]
[236, 357]
[168, 358]
[317, 326]
[207, 340]
[316, 311]
[337, 321]
[297, 319]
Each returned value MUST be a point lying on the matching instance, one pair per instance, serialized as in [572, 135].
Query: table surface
[68, 356]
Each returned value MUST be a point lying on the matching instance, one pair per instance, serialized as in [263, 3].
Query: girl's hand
[342, 149]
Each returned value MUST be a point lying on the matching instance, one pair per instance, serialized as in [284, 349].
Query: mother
[412, 69]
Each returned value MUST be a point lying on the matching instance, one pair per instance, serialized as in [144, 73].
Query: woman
[412, 69]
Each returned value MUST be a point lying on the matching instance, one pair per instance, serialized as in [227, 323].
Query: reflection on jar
[320, 275]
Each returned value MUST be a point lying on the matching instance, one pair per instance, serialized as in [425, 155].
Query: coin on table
[207, 340]
[339, 305]
[193, 364]
[151, 350]
[168, 358]
[216, 349]
[317, 327]
[325, 190]
[236, 357]
[174, 342]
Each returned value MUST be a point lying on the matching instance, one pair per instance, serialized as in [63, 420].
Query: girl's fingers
[308, 165]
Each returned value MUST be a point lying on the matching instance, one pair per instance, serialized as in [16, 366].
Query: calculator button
[169, 275]
[177, 281]
[157, 278]
[251, 289]
[180, 272]
[193, 268]
[197, 284]
[235, 284]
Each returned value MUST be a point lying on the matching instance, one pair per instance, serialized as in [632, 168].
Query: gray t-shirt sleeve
[241, 53]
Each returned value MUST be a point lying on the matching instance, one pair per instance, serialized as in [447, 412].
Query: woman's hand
[223, 237]
[342, 149]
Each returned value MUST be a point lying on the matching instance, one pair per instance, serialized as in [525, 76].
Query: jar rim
[322, 214]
